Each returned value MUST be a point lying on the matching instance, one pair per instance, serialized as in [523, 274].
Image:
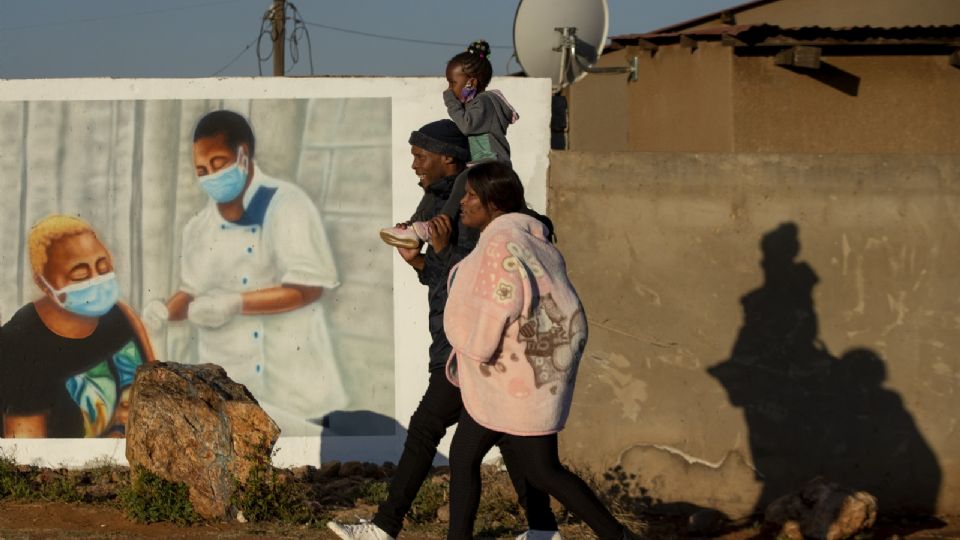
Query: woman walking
[518, 331]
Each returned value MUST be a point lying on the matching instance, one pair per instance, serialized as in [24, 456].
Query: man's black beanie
[442, 137]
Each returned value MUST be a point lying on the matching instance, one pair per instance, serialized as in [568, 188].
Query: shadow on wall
[361, 435]
[810, 413]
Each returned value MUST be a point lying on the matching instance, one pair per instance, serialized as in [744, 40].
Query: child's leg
[452, 207]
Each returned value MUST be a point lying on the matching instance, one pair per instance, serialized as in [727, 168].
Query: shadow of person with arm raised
[811, 414]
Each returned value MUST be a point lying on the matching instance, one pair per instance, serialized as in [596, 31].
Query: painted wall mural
[223, 231]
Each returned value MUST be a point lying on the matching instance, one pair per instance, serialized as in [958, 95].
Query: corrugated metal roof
[766, 34]
[715, 15]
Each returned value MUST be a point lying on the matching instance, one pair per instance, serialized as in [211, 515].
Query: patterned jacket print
[517, 328]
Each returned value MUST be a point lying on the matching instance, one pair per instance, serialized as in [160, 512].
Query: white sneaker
[361, 531]
[407, 238]
[534, 534]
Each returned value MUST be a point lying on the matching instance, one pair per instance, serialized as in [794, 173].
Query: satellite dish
[562, 39]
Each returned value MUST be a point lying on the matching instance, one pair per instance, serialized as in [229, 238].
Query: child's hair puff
[475, 63]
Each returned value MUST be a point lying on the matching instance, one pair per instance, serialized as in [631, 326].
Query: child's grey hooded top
[484, 120]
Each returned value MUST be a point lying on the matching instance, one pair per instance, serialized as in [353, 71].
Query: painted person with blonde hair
[67, 359]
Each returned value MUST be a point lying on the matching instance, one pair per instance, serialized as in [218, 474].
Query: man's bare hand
[441, 229]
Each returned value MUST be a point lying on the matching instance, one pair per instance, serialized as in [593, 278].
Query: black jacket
[436, 266]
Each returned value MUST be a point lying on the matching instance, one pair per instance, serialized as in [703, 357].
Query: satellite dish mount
[568, 56]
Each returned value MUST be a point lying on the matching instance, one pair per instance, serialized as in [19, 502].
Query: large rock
[194, 425]
[824, 510]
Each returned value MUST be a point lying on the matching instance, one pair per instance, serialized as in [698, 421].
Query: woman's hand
[440, 230]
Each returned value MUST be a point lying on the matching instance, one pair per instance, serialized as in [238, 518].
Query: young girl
[482, 115]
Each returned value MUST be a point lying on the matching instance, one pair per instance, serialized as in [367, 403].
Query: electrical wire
[298, 32]
[112, 17]
[394, 38]
[235, 58]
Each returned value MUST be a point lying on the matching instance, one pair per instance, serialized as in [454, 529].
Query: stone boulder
[192, 424]
[824, 511]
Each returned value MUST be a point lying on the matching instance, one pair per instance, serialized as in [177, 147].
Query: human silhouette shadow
[810, 413]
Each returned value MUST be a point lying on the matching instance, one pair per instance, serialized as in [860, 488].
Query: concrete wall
[597, 118]
[710, 99]
[712, 380]
[683, 99]
[896, 104]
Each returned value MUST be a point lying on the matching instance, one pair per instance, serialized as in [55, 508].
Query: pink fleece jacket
[517, 329]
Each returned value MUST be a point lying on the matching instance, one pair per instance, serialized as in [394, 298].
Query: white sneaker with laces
[534, 534]
[361, 531]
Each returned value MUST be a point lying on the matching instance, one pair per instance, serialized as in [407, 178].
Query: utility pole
[279, 35]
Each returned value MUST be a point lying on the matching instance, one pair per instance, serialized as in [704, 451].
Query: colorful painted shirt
[81, 386]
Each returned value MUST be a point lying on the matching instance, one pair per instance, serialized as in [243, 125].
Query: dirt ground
[347, 492]
[62, 520]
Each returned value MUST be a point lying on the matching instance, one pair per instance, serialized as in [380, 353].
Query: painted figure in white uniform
[254, 263]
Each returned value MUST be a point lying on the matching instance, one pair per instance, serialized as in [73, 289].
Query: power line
[394, 38]
[112, 17]
[235, 58]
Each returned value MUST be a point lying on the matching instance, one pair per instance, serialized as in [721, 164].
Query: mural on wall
[240, 232]
[69, 357]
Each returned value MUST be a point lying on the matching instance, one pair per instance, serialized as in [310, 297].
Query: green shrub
[430, 498]
[375, 492]
[267, 497]
[13, 484]
[61, 488]
[150, 499]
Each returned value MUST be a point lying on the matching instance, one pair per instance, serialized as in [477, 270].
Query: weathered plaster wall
[597, 120]
[683, 99]
[710, 99]
[719, 382]
[896, 104]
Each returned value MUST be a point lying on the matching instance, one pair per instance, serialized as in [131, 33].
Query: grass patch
[13, 484]
[61, 488]
[269, 497]
[150, 499]
[375, 492]
[430, 498]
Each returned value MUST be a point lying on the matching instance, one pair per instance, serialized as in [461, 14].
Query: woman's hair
[48, 231]
[497, 185]
[475, 63]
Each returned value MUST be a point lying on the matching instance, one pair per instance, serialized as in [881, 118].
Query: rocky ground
[97, 503]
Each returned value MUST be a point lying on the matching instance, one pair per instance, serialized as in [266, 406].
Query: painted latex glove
[214, 310]
[155, 315]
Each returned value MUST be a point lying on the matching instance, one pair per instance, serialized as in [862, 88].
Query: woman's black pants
[536, 458]
[439, 409]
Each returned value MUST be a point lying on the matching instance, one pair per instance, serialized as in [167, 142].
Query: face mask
[467, 94]
[90, 298]
[226, 184]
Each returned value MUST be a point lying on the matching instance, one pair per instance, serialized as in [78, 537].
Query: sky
[203, 38]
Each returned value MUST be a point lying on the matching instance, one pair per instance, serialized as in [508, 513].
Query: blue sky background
[198, 38]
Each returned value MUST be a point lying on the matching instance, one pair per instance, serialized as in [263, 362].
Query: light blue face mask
[90, 298]
[227, 184]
